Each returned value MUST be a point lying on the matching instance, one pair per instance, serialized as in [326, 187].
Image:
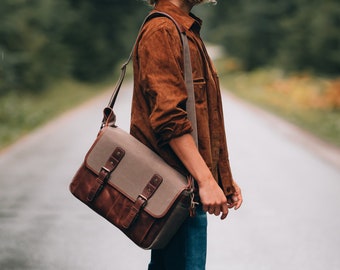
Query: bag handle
[109, 116]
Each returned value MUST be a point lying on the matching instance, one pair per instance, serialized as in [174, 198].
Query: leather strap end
[142, 200]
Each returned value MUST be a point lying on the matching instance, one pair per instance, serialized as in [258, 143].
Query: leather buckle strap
[105, 172]
[142, 200]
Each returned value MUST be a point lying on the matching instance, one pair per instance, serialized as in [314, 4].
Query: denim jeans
[187, 250]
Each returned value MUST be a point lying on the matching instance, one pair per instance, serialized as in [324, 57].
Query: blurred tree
[249, 30]
[41, 40]
[311, 37]
[295, 34]
[30, 52]
[100, 35]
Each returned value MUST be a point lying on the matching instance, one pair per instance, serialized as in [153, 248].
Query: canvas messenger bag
[128, 184]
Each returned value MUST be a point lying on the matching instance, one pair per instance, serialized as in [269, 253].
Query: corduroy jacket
[159, 99]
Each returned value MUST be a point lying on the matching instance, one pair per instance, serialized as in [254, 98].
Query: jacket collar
[189, 21]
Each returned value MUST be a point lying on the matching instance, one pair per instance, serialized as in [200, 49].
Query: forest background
[282, 55]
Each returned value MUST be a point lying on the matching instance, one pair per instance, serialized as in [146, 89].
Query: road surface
[290, 218]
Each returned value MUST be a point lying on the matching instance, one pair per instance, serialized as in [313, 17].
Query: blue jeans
[188, 248]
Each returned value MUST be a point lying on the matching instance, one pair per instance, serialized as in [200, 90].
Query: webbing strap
[109, 116]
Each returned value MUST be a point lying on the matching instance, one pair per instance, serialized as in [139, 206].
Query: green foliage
[31, 110]
[293, 34]
[310, 102]
[30, 52]
[312, 37]
[99, 36]
[45, 40]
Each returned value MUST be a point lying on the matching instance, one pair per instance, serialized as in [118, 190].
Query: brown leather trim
[133, 167]
[104, 174]
[142, 200]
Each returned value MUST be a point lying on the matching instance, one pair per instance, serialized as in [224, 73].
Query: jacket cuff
[174, 131]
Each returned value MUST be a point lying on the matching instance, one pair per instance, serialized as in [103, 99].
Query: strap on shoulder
[109, 116]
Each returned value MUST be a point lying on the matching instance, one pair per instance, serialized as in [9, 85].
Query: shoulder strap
[109, 116]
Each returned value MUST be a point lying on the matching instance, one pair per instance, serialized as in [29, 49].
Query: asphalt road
[290, 218]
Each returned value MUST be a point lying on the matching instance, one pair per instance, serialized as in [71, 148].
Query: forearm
[212, 197]
[186, 150]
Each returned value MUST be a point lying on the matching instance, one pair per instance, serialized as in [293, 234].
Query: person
[159, 120]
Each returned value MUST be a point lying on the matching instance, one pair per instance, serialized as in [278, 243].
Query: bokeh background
[282, 55]
[279, 68]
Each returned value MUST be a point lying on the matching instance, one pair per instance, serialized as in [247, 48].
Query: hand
[235, 200]
[213, 199]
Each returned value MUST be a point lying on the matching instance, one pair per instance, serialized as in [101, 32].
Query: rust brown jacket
[159, 98]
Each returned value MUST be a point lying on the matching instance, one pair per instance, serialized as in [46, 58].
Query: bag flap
[135, 170]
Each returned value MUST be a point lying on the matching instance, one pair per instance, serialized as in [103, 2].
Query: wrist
[204, 179]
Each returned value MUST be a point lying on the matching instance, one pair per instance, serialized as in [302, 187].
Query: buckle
[143, 198]
[107, 173]
[104, 169]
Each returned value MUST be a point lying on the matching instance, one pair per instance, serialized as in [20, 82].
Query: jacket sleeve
[162, 80]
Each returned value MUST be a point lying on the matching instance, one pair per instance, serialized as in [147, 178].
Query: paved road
[290, 218]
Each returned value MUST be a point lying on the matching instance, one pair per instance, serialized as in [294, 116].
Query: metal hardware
[143, 198]
[193, 205]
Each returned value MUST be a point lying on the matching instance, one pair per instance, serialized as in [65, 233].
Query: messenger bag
[127, 183]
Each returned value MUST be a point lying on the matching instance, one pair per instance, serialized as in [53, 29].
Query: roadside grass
[311, 102]
[20, 113]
